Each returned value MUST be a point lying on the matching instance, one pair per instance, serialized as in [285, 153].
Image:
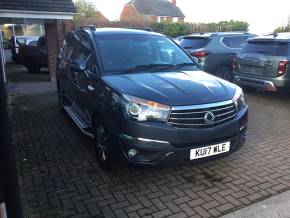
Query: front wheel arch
[225, 72]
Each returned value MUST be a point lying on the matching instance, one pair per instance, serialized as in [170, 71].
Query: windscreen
[194, 42]
[274, 48]
[122, 52]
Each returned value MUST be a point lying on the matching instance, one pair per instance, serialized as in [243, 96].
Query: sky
[262, 15]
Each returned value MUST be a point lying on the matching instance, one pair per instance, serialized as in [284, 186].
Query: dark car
[215, 50]
[34, 56]
[144, 100]
[21, 40]
[264, 63]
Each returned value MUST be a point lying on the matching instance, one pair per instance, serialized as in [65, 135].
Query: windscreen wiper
[178, 66]
[148, 67]
[263, 52]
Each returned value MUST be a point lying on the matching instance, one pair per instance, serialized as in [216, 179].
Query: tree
[85, 8]
[285, 28]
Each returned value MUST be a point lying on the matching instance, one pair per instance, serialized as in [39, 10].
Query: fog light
[243, 127]
[132, 152]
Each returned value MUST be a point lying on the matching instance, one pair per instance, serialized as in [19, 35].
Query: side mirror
[78, 65]
[195, 59]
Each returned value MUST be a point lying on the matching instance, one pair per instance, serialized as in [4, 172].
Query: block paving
[60, 177]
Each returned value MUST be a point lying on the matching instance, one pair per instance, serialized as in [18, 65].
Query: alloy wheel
[224, 73]
[103, 147]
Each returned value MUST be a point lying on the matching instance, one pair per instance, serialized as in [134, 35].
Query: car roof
[279, 37]
[27, 37]
[121, 31]
[213, 34]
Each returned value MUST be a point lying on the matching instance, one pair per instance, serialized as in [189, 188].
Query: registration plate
[209, 150]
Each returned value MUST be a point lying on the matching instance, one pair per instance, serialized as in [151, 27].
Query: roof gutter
[36, 14]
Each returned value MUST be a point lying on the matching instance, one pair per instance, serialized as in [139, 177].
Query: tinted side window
[235, 41]
[62, 52]
[33, 43]
[41, 42]
[85, 53]
[267, 47]
[194, 42]
[72, 46]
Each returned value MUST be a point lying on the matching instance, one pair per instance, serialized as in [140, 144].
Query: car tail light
[234, 62]
[282, 68]
[200, 54]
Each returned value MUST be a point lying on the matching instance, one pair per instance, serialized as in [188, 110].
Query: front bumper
[162, 144]
[269, 84]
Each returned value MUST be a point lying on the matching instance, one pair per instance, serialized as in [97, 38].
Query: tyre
[32, 66]
[103, 145]
[249, 89]
[225, 73]
[60, 94]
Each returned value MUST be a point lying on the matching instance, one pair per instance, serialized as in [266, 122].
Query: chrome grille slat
[220, 115]
[198, 112]
[203, 123]
[193, 116]
[176, 118]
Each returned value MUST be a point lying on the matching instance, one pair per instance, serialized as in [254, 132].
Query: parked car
[264, 63]
[215, 50]
[21, 40]
[7, 47]
[34, 57]
[144, 100]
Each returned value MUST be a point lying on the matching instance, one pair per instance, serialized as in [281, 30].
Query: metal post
[3, 55]
[8, 172]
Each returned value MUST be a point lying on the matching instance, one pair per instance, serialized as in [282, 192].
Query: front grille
[194, 116]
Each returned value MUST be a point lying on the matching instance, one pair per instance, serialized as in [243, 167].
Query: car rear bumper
[170, 146]
[270, 84]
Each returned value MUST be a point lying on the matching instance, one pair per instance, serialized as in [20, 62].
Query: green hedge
[179, 29]
[171, 29]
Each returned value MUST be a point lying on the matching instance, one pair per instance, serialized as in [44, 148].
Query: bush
[179, 29]
[171, 29]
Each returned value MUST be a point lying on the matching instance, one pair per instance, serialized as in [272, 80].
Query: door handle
[91, 88]
[268, 63]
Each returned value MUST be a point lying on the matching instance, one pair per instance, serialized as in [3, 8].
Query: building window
[175, 19]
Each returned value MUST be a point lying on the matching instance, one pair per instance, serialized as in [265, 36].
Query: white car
[8, 51]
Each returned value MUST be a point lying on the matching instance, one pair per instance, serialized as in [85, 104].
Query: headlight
[239, 99]
[143, 110]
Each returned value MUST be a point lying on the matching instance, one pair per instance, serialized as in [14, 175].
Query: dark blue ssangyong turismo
[144, 100]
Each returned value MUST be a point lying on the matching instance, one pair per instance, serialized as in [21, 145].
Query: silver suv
[215, 51]
[264, 63]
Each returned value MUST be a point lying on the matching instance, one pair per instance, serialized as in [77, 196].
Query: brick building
[54, 14]
[152, 11]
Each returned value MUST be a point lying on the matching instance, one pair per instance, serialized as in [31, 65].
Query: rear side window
[33, 43]
[274, 48]
[235, 41]
[194, 42]
[42, 42]
[72, 46]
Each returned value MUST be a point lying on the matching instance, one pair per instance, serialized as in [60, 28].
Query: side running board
[78, 121]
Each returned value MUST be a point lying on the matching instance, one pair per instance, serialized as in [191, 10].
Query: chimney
[174, 2]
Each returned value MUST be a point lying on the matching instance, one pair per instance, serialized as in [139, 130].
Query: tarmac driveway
[59, 176]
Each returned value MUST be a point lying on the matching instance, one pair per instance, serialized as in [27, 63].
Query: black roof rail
[90, 27]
